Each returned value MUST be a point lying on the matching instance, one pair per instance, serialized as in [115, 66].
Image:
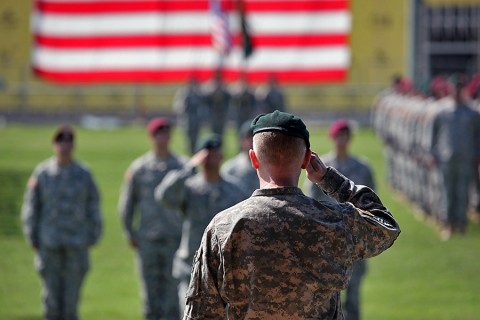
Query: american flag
[221, 38]
[93, 41]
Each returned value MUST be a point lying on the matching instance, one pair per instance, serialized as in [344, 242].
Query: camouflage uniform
[273, 99]
[61, 219]
[241, 170]
[456, 147]
[283, 255]
[199, 201]
[217, 99]
[244, 106]
[157, 235]
[189, 105]
[358, 171]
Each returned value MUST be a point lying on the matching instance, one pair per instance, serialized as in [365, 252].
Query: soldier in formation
[216, 103]
[157, 235]
[272, 97]
[62, 221]
[244, 103]
[433, 150]
[280, 254]
[189, 105]
[217, 99]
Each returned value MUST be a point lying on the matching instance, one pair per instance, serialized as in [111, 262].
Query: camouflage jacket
[283, 255]
[137, 199]
[456, 135]
[198, 202]
[61, 206]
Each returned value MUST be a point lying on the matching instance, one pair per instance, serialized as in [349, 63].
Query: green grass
[420, 277]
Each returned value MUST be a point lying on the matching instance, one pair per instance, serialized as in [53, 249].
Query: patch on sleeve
[385, 222]
[128, 175]
[32, 183]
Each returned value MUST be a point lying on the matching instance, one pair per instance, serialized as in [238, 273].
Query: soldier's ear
[306, 158]
[253, 158]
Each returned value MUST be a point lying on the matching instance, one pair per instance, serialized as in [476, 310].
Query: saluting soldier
[280, 254]
[199, 196]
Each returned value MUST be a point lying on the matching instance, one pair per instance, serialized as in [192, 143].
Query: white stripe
[121, 24]
[298, 23]
[189, 22]
[173, 58]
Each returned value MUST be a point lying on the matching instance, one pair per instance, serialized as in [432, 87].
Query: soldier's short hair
[279, 149]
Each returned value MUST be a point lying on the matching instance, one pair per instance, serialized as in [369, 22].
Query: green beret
[246, 129]
[283, 122]
[213, 141]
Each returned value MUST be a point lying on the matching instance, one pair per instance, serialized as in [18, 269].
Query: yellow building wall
[379, 40]
[15, 39]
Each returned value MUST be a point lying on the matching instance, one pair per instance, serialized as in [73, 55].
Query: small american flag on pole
[98, 41]
[221, 38]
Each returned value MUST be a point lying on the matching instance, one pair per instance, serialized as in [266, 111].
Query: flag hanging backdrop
[92, 41]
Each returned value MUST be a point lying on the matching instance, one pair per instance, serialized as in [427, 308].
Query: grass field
[420, 277]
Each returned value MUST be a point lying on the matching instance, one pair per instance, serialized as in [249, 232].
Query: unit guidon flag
[93, 41]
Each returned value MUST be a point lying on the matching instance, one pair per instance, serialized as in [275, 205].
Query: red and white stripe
[168, 41]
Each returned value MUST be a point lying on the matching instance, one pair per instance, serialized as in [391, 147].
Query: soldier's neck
[64, 161]
[161, 153]
[211, 176]
[342, 154]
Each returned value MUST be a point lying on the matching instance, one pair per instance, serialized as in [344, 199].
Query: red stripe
[260, 76]
[314, 5]
[101, 7]
[185, 41]
[105, 7]
[124, 41]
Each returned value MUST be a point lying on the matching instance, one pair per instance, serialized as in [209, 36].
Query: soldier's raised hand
[316, 169]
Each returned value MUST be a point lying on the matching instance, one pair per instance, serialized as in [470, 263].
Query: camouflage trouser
[159, 288]
[456, 179]
[62, 271]
[218, 122]
[475, 191]
[193, 128]
[352, 296]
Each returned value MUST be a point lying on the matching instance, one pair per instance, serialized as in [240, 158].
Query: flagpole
[245, 37]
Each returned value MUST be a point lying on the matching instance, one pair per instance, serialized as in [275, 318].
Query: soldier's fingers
[314, 162]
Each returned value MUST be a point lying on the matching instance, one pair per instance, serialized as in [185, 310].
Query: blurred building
[446, 38]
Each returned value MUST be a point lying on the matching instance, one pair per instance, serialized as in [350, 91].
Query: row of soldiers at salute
[167, 201]
[216, 103]
[432, 148]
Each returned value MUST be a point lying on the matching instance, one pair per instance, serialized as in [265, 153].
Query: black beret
[62, 133]
[246, 129]
[283, 122]
[213, 141]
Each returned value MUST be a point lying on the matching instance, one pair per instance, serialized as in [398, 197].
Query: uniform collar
[277, 191]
